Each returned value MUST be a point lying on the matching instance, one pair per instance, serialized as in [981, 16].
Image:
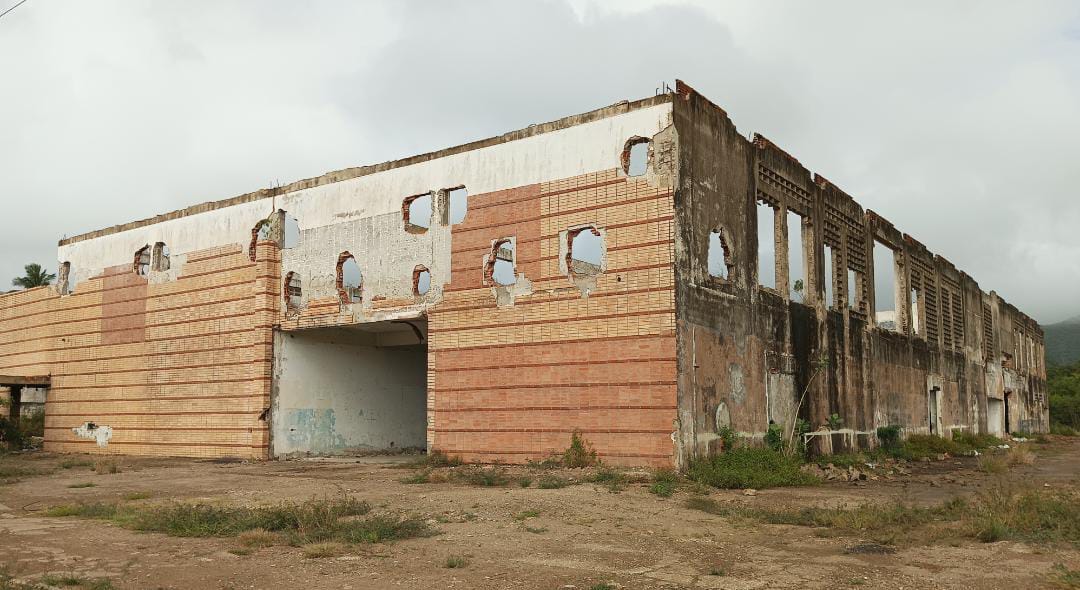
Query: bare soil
[583, 535]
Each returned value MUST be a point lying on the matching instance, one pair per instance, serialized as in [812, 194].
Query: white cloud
[957, 121]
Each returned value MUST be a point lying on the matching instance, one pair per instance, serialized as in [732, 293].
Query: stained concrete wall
[337, 392]
[751, 355]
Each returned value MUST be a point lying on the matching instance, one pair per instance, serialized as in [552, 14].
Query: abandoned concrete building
[642, 274]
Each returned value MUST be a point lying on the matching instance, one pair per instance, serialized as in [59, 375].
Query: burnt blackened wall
[751, 355]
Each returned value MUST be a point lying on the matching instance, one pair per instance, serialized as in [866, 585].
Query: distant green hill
[1063, 341]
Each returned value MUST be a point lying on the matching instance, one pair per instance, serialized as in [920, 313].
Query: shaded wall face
[811, 348]
[336, 393]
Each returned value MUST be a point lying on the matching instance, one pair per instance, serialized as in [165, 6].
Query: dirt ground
[583, 535]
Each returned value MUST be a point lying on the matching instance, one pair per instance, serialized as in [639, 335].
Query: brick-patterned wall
[179, 367]
[512, 383]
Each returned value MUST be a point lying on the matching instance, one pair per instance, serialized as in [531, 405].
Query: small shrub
[62, 580]
[750, 468]
[1021, 434]
[456, 562]
[551, 482]
[918, 446]
[992, 531]
[544, 464]
[418, 477]
[434, 459]
[889, 437]
[524, 481]
[1019, 456]
[580, 453]
[137, 496]
[835, 422]
[1063, 577]
[975, 441]
[729, 437]
[84, 484]
[992, 464]
[664, 482]
[1062, 429]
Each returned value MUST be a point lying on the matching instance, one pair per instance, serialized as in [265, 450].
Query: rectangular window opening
[766, 233]
[830, 278]
[796, 258]
[885, 287]
[916, 309]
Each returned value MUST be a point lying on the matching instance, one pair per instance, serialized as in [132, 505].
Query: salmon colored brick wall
[180, 367]
[512, 383]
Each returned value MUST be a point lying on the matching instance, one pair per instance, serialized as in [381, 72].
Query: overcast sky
[958, 121]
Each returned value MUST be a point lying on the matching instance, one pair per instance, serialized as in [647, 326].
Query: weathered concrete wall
[747, 353]
[337, 392]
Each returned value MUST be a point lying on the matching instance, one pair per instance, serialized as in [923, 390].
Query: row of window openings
[584, 256]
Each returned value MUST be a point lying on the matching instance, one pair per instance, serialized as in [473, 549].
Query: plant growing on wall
[835, 422]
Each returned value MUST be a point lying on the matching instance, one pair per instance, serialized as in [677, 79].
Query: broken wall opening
[885, 294]
[348, 391]
[796, 258]
[766, 232]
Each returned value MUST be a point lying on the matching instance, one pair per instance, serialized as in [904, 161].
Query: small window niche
[635, 156]
[292, 292]
[142, 261]
[416, 212]
[421, 280]
[916, 313]
[161, 260]
[349, 279]
[720, 262]
[457, 205]
[501, 268]
[63, 279]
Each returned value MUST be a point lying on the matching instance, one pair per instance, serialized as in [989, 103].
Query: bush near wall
[1063, 383]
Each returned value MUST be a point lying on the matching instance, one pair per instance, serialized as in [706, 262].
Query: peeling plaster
[95, 432]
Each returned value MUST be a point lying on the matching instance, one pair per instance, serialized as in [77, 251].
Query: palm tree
[35, 277]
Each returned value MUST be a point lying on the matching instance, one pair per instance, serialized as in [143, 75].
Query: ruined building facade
[598, 274]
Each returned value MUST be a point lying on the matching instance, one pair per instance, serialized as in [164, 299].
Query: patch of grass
[1063, 430]
[551, 482]
[544, 464]
[1019, 456]
[85, 484]
[535, 530]
[131, 496]
[844, 460]
[613, 479]
[992, 464]
[488, 477]
[456, 562]
[1063, 577]
[313, 521]
[747, 467]
[434, 459]
[997, 513]
[8, 470]
[62, 580]
[107, 467]
[664, 482]
[524, 514]
[1021, 434]
[601, 587]
[257, 538]
[73, 463]
[425, 476]
[716, 571]
[322, 550]
[580, 453]
[524, 481]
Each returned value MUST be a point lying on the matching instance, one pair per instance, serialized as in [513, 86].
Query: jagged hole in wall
[458, 204]
[291, 233]
[421, 281]
[142, 261]
[351, 280]
[161, 258]
[503, 271]
[586, 251]
[293, 292]
[418, 212]
[719, 256]
[885, 286]
[639, 159]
